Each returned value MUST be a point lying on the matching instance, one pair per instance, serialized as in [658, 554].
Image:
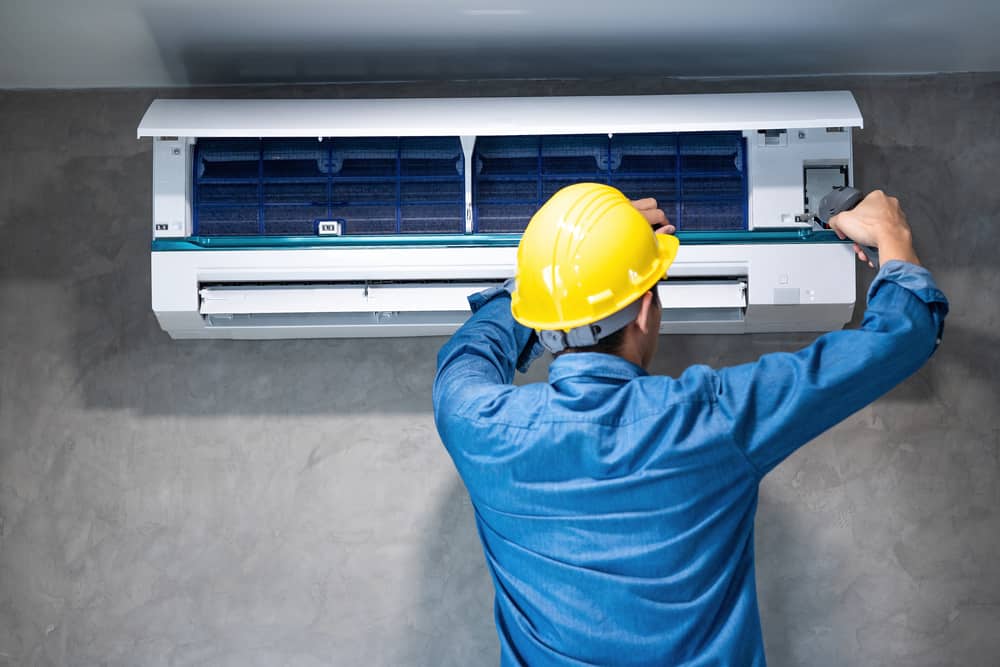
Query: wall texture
[289, 503]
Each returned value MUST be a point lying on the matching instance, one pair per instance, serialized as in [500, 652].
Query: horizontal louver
[681, 299]
[336, 298]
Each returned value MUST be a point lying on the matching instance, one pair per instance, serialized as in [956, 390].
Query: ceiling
[99, 43]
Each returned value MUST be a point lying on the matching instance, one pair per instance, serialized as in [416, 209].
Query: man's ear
[643, 319]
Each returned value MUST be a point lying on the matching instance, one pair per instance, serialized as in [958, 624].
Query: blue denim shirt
[616, 509]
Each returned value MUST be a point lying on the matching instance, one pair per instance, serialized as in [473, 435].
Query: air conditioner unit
[331, 218]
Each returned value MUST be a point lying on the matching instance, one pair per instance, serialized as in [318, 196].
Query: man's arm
[483, 354]
[782, 401]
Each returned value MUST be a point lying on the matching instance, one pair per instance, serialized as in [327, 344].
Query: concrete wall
[234, 503]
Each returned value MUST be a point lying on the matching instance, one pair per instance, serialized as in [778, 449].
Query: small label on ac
[162, 227]
[329, 228]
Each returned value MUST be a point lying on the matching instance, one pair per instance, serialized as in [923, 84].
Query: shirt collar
[593, 365]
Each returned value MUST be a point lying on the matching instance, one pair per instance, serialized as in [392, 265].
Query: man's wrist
[897, 244]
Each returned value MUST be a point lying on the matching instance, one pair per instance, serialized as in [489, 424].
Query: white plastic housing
[422, 291]
[411, 291]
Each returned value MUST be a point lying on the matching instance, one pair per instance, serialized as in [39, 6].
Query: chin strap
[589, 334]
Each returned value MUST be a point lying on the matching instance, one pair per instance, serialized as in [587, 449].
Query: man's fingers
[655, 217]
[863, 256]
[836, 228]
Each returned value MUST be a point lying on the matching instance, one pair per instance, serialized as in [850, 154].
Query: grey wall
[289, 503]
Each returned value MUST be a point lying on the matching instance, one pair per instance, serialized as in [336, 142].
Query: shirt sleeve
[782, 401]
[483, 354]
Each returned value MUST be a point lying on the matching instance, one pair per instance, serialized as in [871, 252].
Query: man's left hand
[655, 215]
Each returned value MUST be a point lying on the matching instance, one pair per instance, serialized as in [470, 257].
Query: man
[616, 508]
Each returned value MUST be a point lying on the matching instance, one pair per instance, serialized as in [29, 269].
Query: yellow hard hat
[586, 254]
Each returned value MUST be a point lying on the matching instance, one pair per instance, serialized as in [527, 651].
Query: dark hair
[611, 344]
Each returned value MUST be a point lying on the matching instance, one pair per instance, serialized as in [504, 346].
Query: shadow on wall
[776, 547]
[109, 352]
[91, 328]
[452, 620]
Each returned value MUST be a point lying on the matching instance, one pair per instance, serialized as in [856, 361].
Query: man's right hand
[877, 221]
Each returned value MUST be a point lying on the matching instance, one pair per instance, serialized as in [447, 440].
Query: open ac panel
[319, 218]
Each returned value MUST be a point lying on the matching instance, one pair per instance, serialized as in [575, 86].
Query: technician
[616, 508]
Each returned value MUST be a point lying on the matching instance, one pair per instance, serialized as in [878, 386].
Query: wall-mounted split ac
[331, 218]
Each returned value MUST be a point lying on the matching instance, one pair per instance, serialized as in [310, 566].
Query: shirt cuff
[480, 299]
[919, 282]
[915, 278]
[533, 348]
